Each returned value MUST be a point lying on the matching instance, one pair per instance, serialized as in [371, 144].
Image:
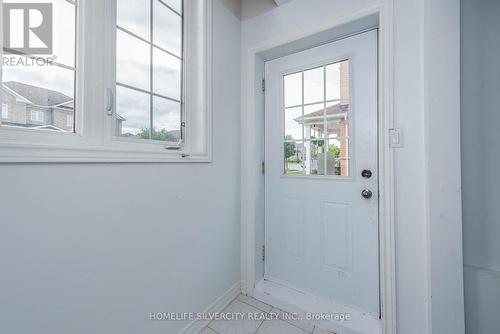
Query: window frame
[93, 139]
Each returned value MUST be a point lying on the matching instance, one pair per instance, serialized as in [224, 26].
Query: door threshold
[293, 301]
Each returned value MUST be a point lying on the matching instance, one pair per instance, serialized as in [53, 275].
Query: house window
[5, 111]
[149, 65]
[37, 116]
[142, 92]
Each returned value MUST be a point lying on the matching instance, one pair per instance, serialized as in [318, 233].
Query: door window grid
[152, 89]
[318, 141]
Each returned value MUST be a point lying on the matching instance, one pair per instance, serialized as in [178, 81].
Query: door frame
[251, 83]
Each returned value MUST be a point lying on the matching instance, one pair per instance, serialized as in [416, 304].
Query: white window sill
[34, 153]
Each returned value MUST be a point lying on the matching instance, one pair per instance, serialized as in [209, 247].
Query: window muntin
[37, 116]
[149, 71]
[45, 82]
[316, 137]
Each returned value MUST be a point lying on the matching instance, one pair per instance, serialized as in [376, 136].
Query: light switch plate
[395, 138]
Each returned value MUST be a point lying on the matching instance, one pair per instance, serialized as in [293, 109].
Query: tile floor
[244, 304]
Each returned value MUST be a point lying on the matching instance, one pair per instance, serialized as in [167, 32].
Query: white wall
[253, 8]
[415, 213]
[442, 129]
[480, 161]
[93, 248]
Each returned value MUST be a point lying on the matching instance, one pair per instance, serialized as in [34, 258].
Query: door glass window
[316, 121]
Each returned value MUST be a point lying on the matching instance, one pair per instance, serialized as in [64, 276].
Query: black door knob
[366, 173]
[367, 194]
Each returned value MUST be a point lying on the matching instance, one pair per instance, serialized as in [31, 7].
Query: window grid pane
[165, 71]
[316, 115]
[293, 157]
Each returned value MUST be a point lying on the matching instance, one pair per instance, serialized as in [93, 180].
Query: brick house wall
[344, 124]
[20, 113]
[17, 111]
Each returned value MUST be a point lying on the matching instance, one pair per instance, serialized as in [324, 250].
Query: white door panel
[321, 133]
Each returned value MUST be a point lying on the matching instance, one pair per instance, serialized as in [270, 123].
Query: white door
[321, 172]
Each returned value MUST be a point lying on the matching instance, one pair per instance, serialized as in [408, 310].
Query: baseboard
[218, 305]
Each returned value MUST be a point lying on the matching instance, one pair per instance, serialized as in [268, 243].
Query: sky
[54, 78]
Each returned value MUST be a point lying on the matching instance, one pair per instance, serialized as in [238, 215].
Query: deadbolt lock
[366, 173]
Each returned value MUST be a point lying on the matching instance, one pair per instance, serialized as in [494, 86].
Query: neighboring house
[36, 107]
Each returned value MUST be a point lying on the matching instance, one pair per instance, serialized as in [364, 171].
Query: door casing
[256, 55]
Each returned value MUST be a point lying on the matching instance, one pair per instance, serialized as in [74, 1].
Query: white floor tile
[318, 330]
[208, 331]
[239, 326]
[301, 324]
[255, 303]
[279, 327]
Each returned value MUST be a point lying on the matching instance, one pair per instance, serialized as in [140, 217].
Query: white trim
[386, 171]
[22, 153]
[386, 162]
[217, 306]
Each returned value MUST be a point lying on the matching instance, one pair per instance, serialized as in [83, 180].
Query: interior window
[80, 75]
[149, 70]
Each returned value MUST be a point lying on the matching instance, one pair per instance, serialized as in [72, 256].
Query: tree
[289, 148]
[162, 135]
[335, 150]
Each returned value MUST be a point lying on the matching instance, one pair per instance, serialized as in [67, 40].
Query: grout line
[288, 322]
[259, 327]
[254, 306]
[272, 307]
[214, 330]
[208, 326]
[305, 330]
